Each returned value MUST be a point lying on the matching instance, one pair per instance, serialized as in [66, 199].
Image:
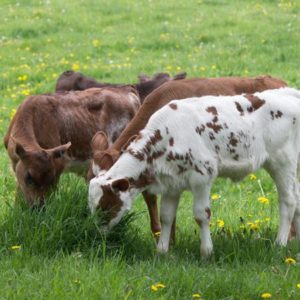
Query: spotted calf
[189, 143]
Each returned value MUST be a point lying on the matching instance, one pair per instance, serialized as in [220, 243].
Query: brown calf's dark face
[38, 172]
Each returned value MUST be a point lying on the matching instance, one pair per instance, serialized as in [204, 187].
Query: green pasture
[59, 252]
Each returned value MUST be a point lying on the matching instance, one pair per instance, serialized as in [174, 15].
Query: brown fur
[38, 137]
[72, 81]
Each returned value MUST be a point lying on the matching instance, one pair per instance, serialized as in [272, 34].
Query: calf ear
[143, 78]
[20, 151]
[129, 141]
[106, 161]
[120, 185]
[99, 141]
[59, 151]
[179, 76]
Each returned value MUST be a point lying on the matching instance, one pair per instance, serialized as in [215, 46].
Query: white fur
[259, 141]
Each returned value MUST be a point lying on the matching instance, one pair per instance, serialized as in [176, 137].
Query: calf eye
[29, 179]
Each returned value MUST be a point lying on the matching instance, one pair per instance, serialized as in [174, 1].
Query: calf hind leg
[296, 219]
[284, 174]
[202, 214]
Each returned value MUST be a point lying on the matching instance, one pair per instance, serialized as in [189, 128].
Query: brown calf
[52, 133]
[70, 80]
[169, 91]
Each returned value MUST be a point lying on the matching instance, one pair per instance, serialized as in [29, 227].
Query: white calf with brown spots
[188, 143]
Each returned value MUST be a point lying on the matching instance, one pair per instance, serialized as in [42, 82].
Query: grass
[62, 252]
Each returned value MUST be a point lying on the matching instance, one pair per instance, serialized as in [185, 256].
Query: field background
[58, 253]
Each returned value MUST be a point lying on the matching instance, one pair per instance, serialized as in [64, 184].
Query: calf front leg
[151, 201]
[168, 209]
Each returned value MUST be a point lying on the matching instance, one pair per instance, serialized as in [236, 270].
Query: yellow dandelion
[266, 296]
[26, 92]
[220, 223]
[16, 247]
[23, 78]
[96, 43]
[75, 67]
[215, 197]
[263, 200]
[157, 233]
[290, 261]
[298, 285]
[196, 296]
[154, 288]
[157, 286]
[12, 113]
[254, 226]
[252, 177]
[77, 281]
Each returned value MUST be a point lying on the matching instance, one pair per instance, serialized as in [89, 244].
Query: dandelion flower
[154, 288]
[220, 223]
[16, 247]
[266, 295]
[26, 92]
[298, 285]
[75, 67]
[215, 197]
[252, 177]
[253, 226]
[157, 286]
[157, 233]
[77, 281]
[196, 296]
[263, 200]
[96, 43]
[290, 261]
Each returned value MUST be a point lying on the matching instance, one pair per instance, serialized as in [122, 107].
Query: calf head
[38, 171]
[103, 156]
[113, 197]
[70, 80]
[147, 84]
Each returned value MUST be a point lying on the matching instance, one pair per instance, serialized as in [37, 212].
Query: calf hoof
[161, 248]
[206, 252]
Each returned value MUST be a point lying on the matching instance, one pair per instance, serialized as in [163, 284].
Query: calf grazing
[52, 133]
[187, 144]
[104, 159]
[70, 80]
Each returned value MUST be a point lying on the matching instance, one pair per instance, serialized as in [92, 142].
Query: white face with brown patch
[113, 197]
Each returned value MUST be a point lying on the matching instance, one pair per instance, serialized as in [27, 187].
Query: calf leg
[168, 209]
[295, 229]
[151, 201]
[284, 173]
[202, 214]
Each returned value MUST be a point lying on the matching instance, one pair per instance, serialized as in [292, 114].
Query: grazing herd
[159, 136]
